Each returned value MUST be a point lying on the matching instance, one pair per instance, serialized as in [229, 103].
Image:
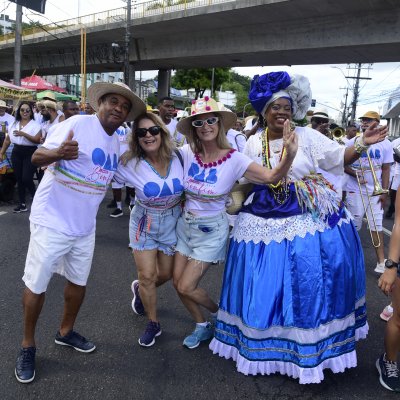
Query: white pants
[356, 208]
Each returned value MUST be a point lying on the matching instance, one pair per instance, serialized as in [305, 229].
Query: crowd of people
[293, 296]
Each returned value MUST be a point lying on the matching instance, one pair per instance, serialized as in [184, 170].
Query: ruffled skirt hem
[305, 375]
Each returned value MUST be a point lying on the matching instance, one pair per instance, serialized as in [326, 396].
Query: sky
[328, 82]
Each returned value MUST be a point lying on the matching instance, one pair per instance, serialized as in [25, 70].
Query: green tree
[199, 79]
[240, 85]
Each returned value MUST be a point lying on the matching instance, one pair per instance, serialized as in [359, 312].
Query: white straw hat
[99, 89]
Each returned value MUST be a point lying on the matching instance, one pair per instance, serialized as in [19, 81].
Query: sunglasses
[153, 130]
[320, 121]
[25, 109]
[198, 123]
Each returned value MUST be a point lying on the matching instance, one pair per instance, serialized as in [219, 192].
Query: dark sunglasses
[25, 109]
[198, 123]
[153, 130]
[320, 121]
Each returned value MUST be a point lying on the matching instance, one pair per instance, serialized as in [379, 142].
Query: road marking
[384, 230]
[3, 212]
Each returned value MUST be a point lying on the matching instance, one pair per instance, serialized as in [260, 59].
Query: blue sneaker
[153, 329]
[388, 374]
[200, 334]
[75, 340]
[25, 365]
[137, 305]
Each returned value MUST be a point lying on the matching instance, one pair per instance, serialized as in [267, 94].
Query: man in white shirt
[381, 155]
[166, 107]
[6, 119]
[82, 155]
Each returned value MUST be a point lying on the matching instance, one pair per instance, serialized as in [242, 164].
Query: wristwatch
[391, 264]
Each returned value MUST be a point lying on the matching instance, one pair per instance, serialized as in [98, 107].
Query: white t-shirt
[152, 190]
[8, 119]
[207, 189]
[380, 153]
[123, 136]
[32, 128]
[70, 192]
[396, 170]
[176, 136]
[47, 126]
[236, 139]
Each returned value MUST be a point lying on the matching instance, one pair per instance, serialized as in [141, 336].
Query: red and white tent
[36, 82]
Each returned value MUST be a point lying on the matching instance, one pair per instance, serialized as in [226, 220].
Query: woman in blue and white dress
[293, 293]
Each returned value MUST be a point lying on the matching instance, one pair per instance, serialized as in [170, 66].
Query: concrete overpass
[217, 33]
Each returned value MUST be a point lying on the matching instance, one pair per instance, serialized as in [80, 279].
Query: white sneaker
[380, 267]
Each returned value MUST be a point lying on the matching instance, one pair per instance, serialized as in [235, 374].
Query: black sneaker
[153, 329]
[21, 208]
[112, 204]
[75, 340]
[25, 365]
[388, 374]
[137, 305]
[116, 213]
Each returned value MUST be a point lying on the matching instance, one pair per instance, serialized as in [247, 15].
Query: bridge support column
[164, 83]
[131, 75]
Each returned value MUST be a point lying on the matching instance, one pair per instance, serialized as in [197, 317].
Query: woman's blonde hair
[195, 142]
[166, 147]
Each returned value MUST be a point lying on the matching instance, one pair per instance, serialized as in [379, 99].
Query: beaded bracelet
[360, 146]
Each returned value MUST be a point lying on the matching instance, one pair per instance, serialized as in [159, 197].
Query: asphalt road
[120, 368]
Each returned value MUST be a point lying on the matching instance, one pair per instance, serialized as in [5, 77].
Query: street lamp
[244, 108]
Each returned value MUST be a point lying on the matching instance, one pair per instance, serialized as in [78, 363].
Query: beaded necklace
[213, 163]
[279, 190]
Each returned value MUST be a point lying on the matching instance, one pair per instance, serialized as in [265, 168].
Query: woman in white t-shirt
[211, 168]
[155, 171]
[25, 134]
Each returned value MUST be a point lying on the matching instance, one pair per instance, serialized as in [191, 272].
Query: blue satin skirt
[300, 302]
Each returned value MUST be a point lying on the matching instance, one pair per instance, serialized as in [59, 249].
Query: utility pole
[344, 113]
[356, 90]
[127, 40]
[18, 46]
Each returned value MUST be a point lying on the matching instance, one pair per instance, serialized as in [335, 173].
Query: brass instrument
[378, 190]
[338, 135]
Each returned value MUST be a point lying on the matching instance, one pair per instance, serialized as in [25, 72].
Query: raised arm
[258, 174]
[68, 150]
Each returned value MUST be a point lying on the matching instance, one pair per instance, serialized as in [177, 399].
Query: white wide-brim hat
[204, 106]
[99, 89]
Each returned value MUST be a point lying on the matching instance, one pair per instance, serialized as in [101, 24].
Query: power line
[5, 8]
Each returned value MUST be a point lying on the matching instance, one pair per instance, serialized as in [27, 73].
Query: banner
[6, 93]
[35, 5]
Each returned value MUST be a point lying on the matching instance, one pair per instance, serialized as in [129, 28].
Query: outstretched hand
[69, 149]
[290, 140]
[374, 133]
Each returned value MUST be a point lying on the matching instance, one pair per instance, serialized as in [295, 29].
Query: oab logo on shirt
[105, 165]
[211, 177]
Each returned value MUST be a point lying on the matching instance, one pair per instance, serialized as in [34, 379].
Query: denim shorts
[202, 238]
[153, 229]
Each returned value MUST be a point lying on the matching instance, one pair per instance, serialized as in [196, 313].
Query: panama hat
[99, 89]
[320, 114]
[204, 106]
[3, 104]
[50, 104]
[372, 115]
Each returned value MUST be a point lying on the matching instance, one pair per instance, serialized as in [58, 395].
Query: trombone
[378, 190]
[338, 135]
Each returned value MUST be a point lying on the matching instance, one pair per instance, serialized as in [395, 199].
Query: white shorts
[356, 208]
[52, 252]
[395, 182]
